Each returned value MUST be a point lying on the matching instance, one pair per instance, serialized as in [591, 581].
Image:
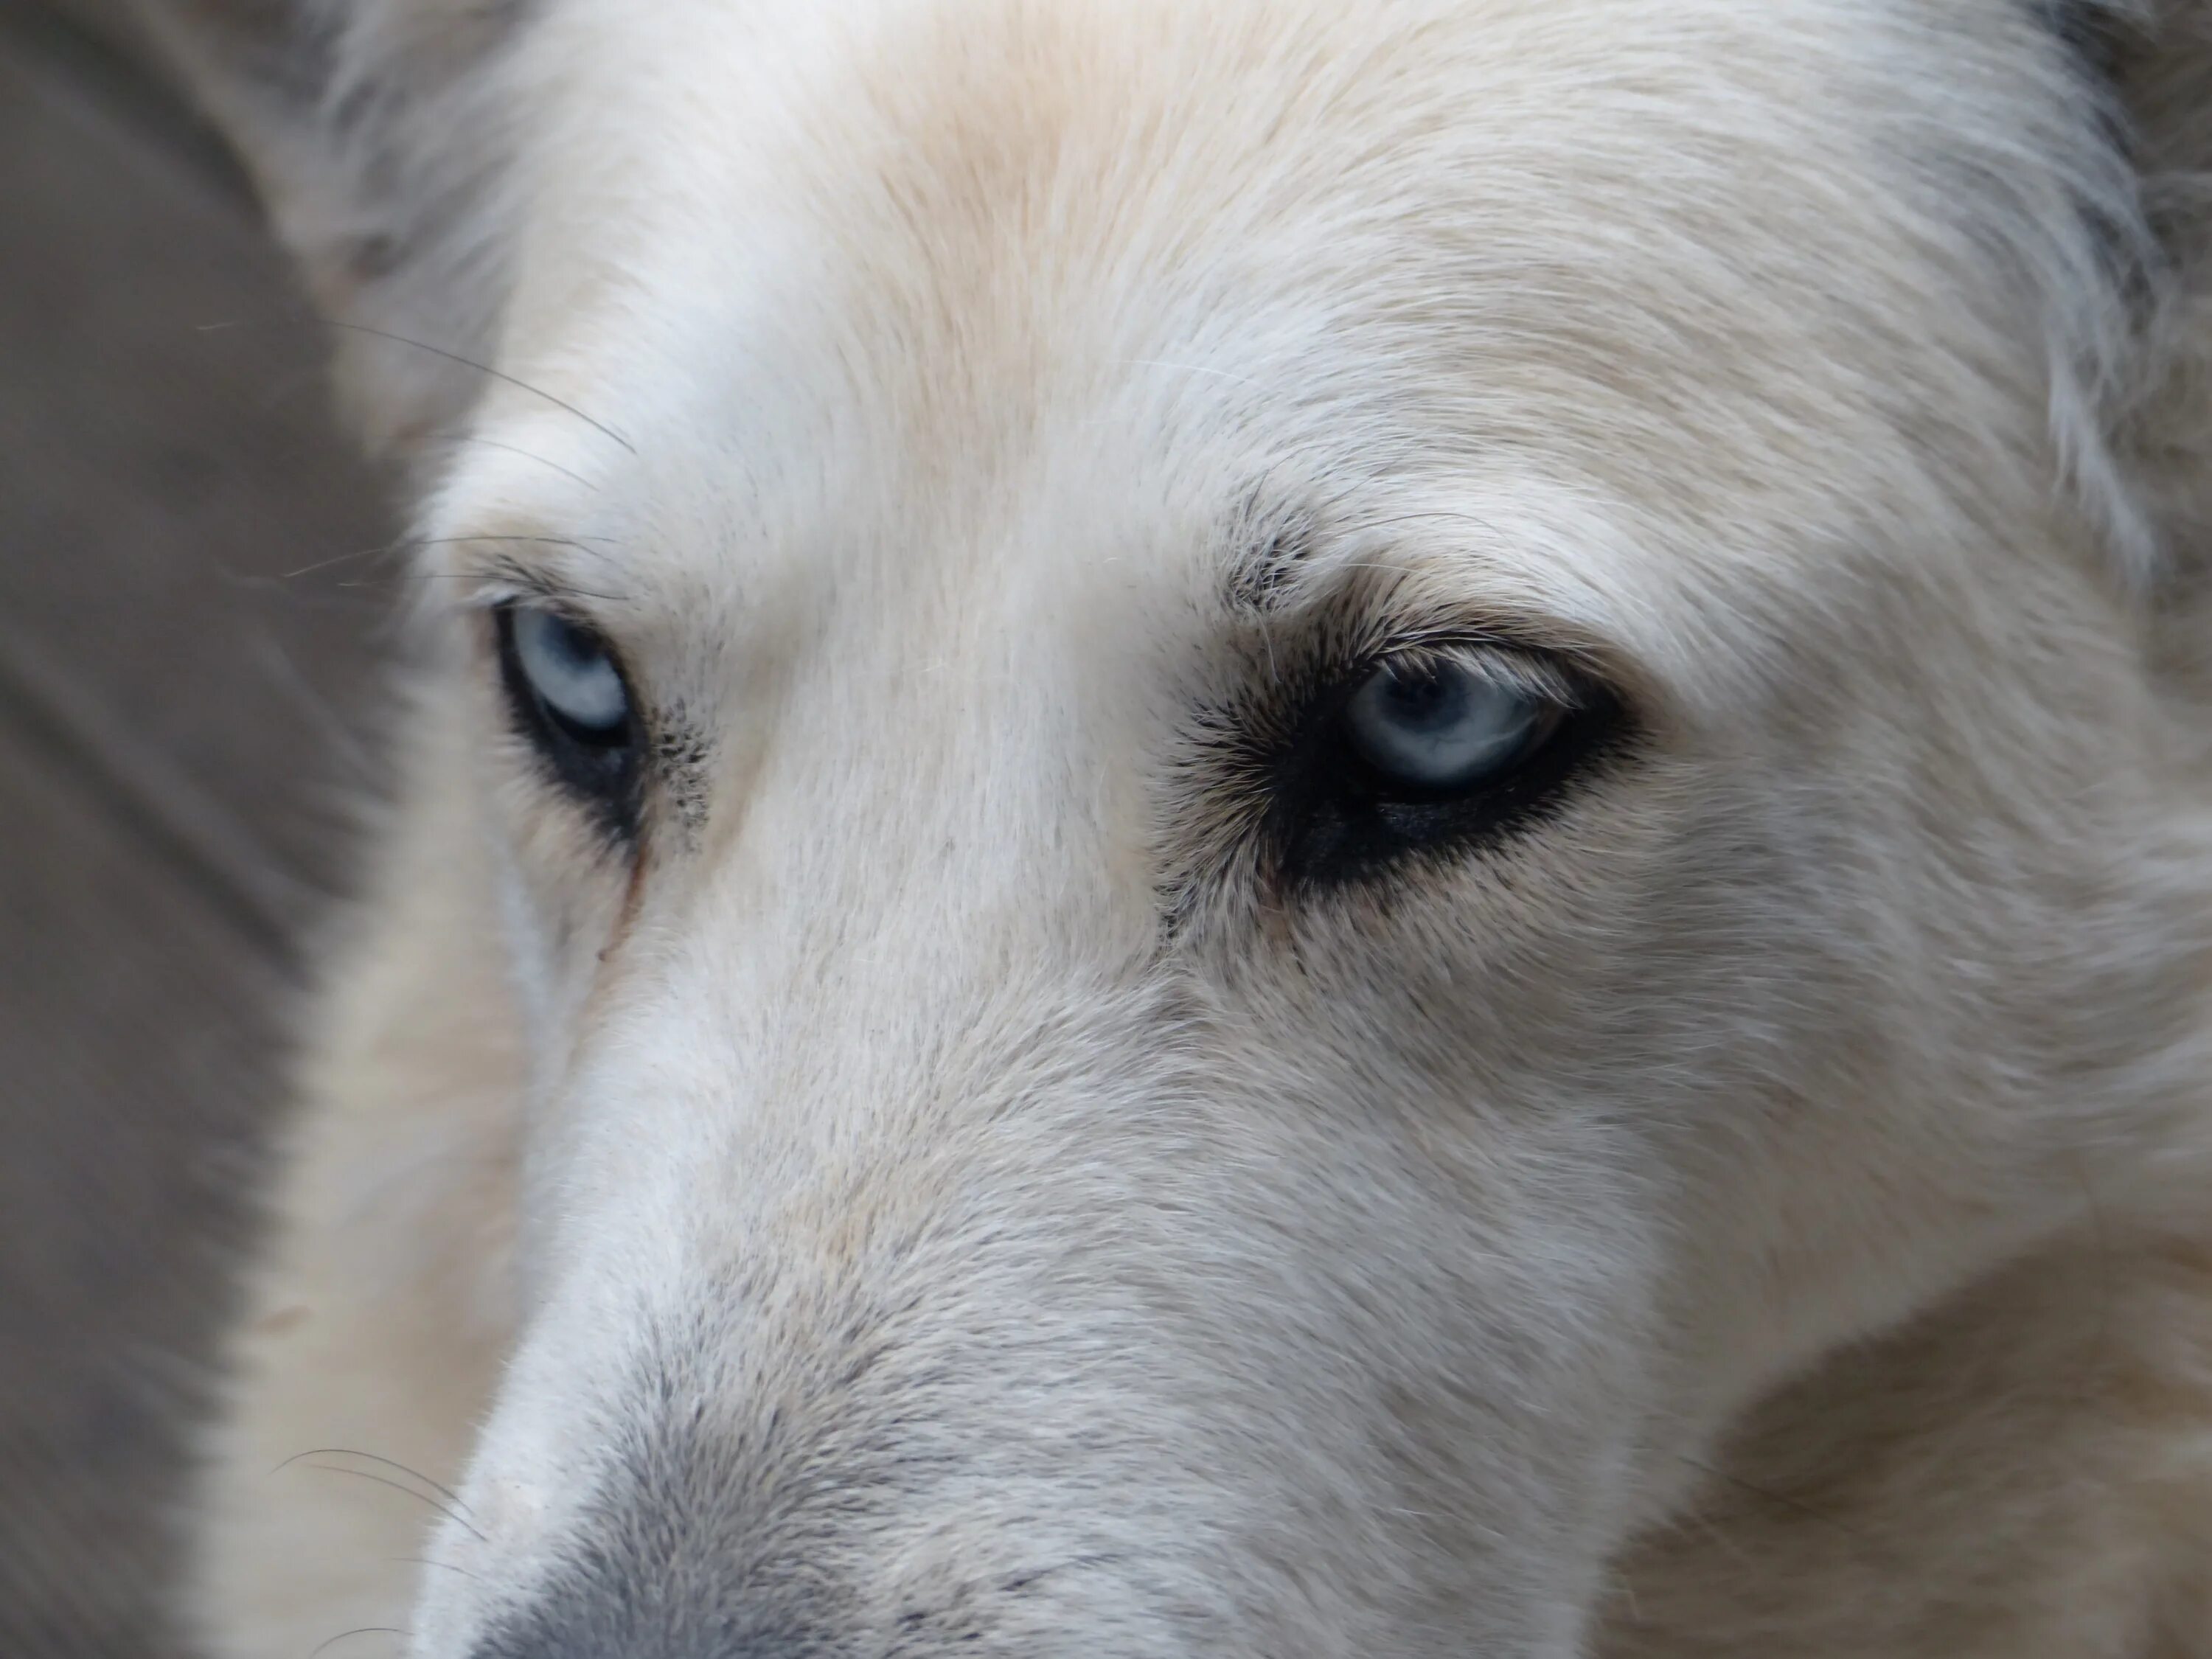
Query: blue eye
[572, 673]
[1433, 725]
[567, 695]
[1432, 750]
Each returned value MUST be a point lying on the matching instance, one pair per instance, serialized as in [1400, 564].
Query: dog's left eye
[1437, 725]
[570, 698]
[1430, 749]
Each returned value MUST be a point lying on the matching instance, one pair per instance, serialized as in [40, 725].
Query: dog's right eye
[570, 698]
[571, 670]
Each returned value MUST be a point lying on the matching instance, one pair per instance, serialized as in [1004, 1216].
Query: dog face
[1274, 784]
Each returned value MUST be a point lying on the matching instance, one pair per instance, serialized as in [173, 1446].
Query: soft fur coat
[936, 1147]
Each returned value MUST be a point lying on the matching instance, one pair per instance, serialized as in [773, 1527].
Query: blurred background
[194, 582]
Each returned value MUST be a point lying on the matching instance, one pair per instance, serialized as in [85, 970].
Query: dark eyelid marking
[1269, 546]
[1276, 802]
[671, 756]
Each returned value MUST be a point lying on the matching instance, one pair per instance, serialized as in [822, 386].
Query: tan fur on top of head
[926, 1071]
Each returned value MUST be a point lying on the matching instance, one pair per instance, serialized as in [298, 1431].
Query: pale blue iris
[1440, 725]
[570, 670]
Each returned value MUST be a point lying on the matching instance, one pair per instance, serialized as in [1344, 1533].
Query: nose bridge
[943, 808]
[849, 941]
[816, 1259]
[827, 1143]
[936, 880]
[966, 729]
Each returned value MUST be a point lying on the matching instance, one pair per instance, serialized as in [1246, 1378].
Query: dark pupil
[1429, 702]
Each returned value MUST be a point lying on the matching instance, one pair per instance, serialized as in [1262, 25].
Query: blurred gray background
[193, 595]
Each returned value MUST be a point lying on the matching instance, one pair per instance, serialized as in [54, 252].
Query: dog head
[1274, 784]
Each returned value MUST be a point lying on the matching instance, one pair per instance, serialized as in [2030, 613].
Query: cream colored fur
[936, 1195]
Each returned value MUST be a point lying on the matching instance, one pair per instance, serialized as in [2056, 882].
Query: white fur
[938, 1193]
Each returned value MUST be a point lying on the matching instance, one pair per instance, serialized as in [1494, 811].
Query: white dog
[1258, 829]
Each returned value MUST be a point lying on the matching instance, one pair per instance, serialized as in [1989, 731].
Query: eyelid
[1536, 674]
[1353, 621]
[500, 591]
[486, 580]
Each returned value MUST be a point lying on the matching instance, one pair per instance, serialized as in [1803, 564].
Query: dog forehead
[925, 271]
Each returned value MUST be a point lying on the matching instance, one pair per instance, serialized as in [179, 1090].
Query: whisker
[562, 591]
[425, 1561]
[361, 1630]
[389, 1462]
[423, 1499]
[515, 449]
[484, 368]
[400, 546]
[581, 544]
[409, 543]
[293, 597]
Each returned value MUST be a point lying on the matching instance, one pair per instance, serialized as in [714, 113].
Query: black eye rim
[602, 767]
[1333, 817]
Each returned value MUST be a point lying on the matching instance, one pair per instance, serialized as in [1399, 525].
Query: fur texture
[939, 1187]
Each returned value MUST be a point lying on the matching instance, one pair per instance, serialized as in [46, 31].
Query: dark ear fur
[2162, 72]
[368, 129]
[2150, 65]
[2163, 75]
[2153, 65]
